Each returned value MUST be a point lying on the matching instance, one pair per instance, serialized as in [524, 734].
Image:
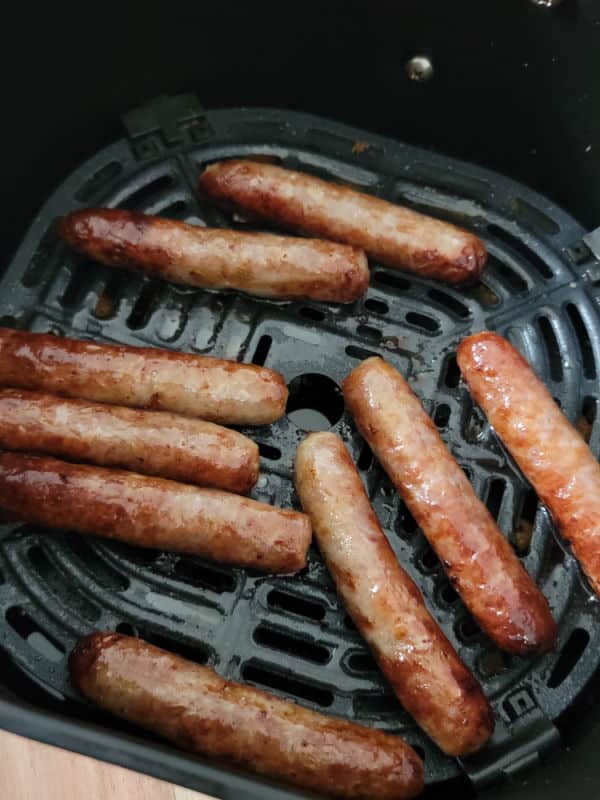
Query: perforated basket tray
[291, 634]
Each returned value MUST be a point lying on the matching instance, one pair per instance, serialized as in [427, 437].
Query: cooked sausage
[479, 561]
[144, 377]
[429, 678]
[199, 711]
[213, 258]
[391, 234]
[150, 442]
[153, 512]
[550, 452]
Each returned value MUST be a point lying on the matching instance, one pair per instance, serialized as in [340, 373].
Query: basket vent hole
[552, 348]
[365, 458]
[569, 656]
[370, 334]
[282, 601]
[126, 629]
[585, 344]
[585, 423]
[315, 314]
[391, 281]
[493, 662]
[467, 630]
[262, 350]
[475, 426]
[376, 306]
[369, 704]
[441, 416]
[28, 629]
[105, 576]
[428, 560]
[359, 352]
[199, 574]
[278, 640]
[59, 587]
[426, 323]
[102, 176]
[449, 302]
[483, 294]
[255, 673]
[514, 282]
[524, 530]
[448, 594]
[144, 306]
[495, 493]
[518, 246]
[315, 402]
[199, 653]
[268, 451]
[362, 662]
[451, 372]
[146, 193]
[406, 521]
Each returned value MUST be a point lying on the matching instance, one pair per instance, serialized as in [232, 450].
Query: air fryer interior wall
[513, 88]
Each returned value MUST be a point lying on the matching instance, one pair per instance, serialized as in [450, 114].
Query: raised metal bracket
[164, 123]
[592, 241]
[516, 746]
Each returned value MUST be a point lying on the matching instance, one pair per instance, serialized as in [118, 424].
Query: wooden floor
[33, 771]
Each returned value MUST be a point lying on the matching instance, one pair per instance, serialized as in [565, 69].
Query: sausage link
[429, 678]
[143, 377]
[150, 442]
[199, 711]
[477, 558]
[153, 512]
[550, 452]
[389, 233]
[212, 258]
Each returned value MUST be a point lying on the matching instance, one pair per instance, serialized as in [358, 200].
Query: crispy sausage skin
[143, 377]
[389, 233]
[150, 442]
[550, 452]
[199, 711]
[477, 558]
[153, 512]
[430, 680]
[214, 258]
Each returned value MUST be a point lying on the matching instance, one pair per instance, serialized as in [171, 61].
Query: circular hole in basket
[315, 402]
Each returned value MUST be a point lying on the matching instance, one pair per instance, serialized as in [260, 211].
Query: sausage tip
[86, 652]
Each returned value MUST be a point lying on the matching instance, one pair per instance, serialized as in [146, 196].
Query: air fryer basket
[291, 635]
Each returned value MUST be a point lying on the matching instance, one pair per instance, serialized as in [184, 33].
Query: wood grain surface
[33, 771]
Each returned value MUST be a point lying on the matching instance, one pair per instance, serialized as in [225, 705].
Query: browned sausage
[478, 560]
[153, 512]
[391, 234]
[199, 711]
[429, 678]
[144, 377]
[257, 263]
[151, 442]
[551, 453]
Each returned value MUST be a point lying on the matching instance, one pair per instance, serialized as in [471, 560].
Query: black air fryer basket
[291, 635]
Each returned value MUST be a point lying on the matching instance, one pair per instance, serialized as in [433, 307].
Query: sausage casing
[197, 710]
[479, 561]
[153, 512]
[389, 233]
[213, 258]
[150, 442]
[429, 678]
[144, 377]
[550, 452]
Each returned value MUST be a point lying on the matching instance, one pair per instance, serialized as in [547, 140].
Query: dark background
[516, 88]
